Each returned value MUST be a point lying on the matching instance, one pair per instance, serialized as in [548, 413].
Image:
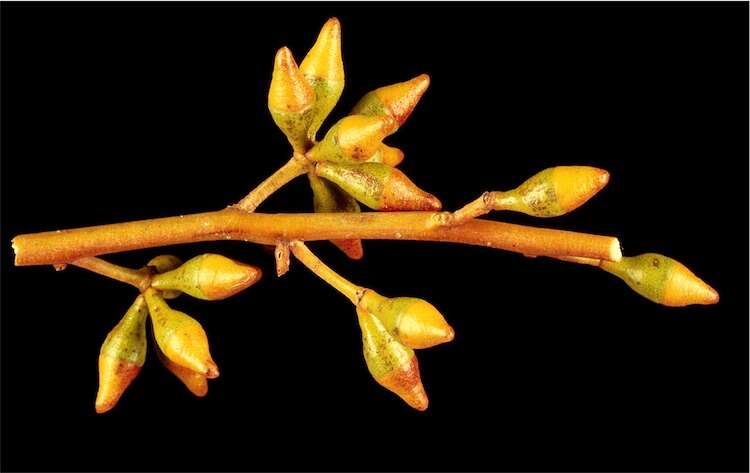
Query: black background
[118, 112]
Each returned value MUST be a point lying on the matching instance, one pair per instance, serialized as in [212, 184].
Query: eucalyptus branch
[65, 246]
[350, 166]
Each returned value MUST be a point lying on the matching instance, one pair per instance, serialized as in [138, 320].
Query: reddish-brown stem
[350, 290]
[66, 246]
[295, 167]
[138, 278]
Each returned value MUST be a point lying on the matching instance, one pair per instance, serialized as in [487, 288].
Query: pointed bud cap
[352, 139]
[323, 68]
[162, 264]
[378, 186]
[396, 101]
[662, 280]
[180, 337]
[414, 322]
[209, 277]
[122, 355]
[554, 191]
[328, 197]
[393, 365]
[388, 155]
[291, 100]
[194, 381]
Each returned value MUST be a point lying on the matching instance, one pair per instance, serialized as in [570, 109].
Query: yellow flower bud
[554, 191]
[662, 280]
[378, 186]
[352, 139]
[414, 322]
[387, 155]
[328, 197]
[209, 277]
[162, 264]
[323, 68]
[291, 100]
[393, 365]
[121, 356]
[180, 337]
[396, 101]
[194, 381]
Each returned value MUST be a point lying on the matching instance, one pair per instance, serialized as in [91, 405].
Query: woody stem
[314, 264]
[295, 167]
[138, 278]
[66, 246]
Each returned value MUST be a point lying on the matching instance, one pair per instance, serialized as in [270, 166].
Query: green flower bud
[122, 355]
[661, 279]
[291, 100]
[179, 336]
[352, 139]
[324, 70]
[208, 277]
[378, 186]
[396, 101]
[393, 365]
[414, 322]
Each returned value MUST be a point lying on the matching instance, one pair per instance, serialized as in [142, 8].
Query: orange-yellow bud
[179, 336]
[378, 186]
[121, 356]
[662, 280]
[414, 322]
[209, 277]
[328, 197]
[387, 155]
[396, 101]
[352, 139]
[194, 381]
[291, 100]
[554, 191]
[323, 68]
[393, 365]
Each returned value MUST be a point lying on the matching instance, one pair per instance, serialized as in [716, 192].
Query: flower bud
[554, 191]
[324, 70]
[393, 365]
[396, 101]
[414, 322]
[352, 139]
[378, 186]
[162, 264]
[662, 280]
[328, 197]
[387, 155]
[209, 277]
[194, 381]
[121, 356]
[291, 100]
[179, 336]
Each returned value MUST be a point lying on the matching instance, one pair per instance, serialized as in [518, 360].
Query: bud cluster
[351, 164]
[179, 340]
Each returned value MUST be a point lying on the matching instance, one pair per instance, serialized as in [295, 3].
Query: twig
[138, 278]
[350, 290]
[295, 167]
[66, 246]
